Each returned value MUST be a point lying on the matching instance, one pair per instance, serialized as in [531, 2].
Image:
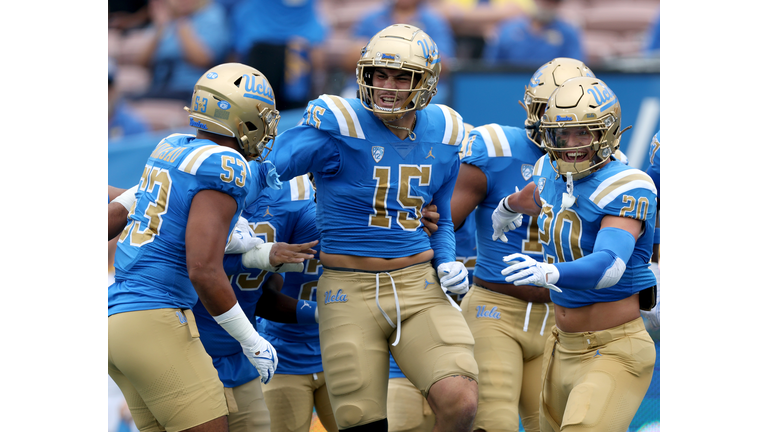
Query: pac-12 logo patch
[377, 152]
[224, 105]
[542, 181]
[527, 171]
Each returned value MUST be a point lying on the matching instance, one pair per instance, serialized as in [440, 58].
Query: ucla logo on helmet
[224, 105]
[259, 91]
[603, 96]
[560, 118]
[429, 49]
[535, 78]
[212, 75]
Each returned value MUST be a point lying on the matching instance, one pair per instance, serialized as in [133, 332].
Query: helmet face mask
[580, 126]
[403, 48]
[237, 101]
[541, 85]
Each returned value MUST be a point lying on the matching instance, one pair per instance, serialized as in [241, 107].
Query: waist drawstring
[397, 306]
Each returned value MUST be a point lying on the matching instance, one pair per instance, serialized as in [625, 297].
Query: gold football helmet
[581, 126]
[403, 47]
[543, 82]
[236, 100]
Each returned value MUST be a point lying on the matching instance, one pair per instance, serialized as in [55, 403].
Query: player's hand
[454, 277]
[242, 238]
[429, 217]
[285, 253]
[504, 220]
[279, 257]
[524, 270]
[262, 356]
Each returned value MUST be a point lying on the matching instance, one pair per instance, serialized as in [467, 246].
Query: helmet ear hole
[251, 127]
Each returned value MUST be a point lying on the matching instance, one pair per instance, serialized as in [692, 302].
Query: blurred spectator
[282, 39]
[653, 38]
[413, 12]
[125, 15]
[474, 21]
[122, 119]
[188, 38]
[535, 40]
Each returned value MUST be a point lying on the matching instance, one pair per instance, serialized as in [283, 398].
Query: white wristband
[127, 198]
[237, 325]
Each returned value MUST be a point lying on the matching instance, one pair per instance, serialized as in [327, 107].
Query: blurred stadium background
[614, 35]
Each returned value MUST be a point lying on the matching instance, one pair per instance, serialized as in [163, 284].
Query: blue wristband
[305, 312]
[657, 236]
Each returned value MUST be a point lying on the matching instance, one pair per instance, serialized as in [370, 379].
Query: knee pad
[377, 426]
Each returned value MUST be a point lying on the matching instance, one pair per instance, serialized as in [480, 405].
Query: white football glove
[127, 198]
[258, 350]
[524, 270]
[504, 220]
[653, 316]
[242, 239]
[258, 257]
[453, 277]
[262, 356]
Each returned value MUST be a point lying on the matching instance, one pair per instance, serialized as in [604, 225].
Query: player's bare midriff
[372, 263]
[528, 293]
[598, 316]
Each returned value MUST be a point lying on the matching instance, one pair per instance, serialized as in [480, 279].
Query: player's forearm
[525, 201]
[443, 241]
[277, 307]
[213, 288]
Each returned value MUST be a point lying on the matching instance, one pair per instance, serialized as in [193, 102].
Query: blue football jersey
[150, 260]
[569, 234]
[372, 186]
[298, 345]
[275, 216]
[506, 156]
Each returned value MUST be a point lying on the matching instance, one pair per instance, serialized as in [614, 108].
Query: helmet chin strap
[568, 198]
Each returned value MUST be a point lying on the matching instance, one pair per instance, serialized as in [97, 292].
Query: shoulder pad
[301, 188]
[213, 155]
[540, 164]
[343, 121]
[496, 142]
[454, 126]
[618, 184]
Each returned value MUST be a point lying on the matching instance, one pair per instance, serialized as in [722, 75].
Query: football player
[378, 160]
[275, 216]
[299, 384]
[510, 323]
[596, 219]
[407, 409]
[171, 252]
